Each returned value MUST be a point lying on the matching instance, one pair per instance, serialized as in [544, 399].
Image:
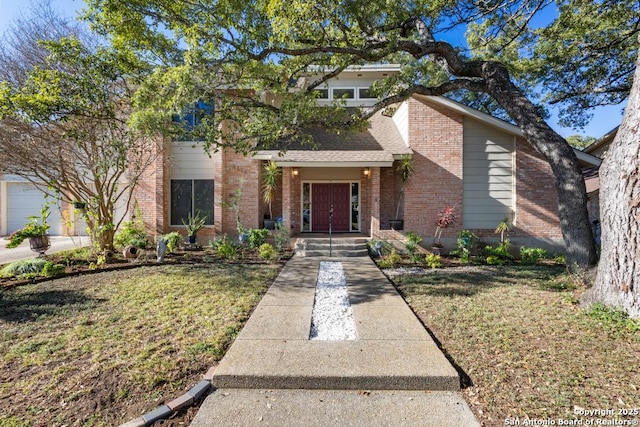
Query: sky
[605, 118]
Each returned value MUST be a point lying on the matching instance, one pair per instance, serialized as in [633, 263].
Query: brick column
[287, 197]
[374, 201]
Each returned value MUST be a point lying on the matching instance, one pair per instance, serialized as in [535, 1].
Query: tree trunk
[618, 278]
[572, 196]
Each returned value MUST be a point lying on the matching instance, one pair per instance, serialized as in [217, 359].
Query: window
[365, 93]
[191, 120]
[344, 93]
[322, 93]
[189, 196]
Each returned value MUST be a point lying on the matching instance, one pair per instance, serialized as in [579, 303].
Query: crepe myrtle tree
[206, 48]
[63, 120]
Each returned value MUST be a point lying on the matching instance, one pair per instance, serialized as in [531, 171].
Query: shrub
[498, 255]
[433, 261]
[532, 255]
[172, 240]
[282, 237]
[257, 236]
[388, 261]
[31, 266]
[225, 248]
[467, 241]
[131, 233]
[559, 259]
[52, 270]
[266, 251]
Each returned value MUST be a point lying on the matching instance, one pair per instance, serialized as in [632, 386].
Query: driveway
[58, 243]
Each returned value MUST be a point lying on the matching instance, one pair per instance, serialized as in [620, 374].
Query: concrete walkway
[393, 374]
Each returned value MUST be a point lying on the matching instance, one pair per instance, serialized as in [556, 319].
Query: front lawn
[528, 349]
[105, 348]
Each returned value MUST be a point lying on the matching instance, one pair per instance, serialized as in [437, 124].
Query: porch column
[288, 199]
[374, 201]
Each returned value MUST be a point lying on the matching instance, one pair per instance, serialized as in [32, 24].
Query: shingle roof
[377, 145]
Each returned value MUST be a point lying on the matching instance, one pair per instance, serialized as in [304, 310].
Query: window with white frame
[191, 196]
[344, 93]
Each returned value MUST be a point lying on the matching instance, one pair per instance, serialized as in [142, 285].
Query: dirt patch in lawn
[104, 348]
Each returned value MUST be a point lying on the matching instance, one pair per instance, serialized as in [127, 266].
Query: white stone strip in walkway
[332, 316]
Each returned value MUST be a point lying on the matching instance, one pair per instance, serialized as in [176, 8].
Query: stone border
[182, 402]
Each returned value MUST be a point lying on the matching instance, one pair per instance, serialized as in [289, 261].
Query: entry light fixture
[294, 172]
[367, 172]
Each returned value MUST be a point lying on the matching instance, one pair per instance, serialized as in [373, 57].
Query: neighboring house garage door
[24, 200]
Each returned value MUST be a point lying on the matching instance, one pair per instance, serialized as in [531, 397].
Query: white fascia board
[352, 164]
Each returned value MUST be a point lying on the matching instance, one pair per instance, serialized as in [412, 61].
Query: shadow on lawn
[25, 307]
[447, 283]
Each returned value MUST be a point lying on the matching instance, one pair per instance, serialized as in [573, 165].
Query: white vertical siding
[488, 175]
[401, 120]
[187, 160]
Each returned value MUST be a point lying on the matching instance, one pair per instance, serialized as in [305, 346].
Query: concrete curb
[186, 400]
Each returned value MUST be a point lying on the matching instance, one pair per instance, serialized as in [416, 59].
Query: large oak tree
[201, 49]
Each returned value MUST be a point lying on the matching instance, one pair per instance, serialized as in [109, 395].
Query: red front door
[323, 197]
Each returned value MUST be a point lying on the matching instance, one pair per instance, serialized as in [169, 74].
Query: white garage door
[24, 200]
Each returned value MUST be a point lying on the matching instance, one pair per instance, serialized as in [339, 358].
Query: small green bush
[433, 260]
[498, 255]
[389, 261]
[467, 241]
[225, 248]
[52, 270]
[31, 266]
[266, 251]
[532, 255]
[172, 240]
[282, 237]
[412, 243]
[257, 236]
[559, 259]
[131, 233]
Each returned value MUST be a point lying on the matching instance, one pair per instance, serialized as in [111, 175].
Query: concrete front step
[338, 247]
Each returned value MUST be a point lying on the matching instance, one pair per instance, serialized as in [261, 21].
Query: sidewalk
[393, 374]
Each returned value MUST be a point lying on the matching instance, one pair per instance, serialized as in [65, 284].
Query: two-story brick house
[461, 157]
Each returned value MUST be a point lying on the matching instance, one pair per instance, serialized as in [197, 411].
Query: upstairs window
[365, 93]
[322, 93]
[344, 93]
[191, 120]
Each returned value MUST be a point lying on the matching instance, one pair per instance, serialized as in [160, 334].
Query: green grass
[527, 348]
[105, 348]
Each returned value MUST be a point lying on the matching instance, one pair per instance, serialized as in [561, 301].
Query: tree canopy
[64, 104]
[569, 53]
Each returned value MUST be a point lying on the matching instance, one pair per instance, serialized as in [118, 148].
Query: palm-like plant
[270, 178]
[405, 169]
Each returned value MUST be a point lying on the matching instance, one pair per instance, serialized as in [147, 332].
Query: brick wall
[149, 193]
[536, 196]
[235, 171]
[436, 137]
